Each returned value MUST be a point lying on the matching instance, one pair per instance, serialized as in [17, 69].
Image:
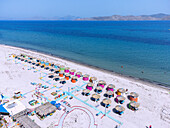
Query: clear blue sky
[81, 8]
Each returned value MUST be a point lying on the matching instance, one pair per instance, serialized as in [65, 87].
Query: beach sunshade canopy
[122, 90]
[102, 82]
[79, 73]
[134, 94]
[93, 78]
[99, 88]
[86, 75]
[134, 104]
[109, 93]
[96, 96]
[86, 91]
[111, 86]
[90, 84]
[74, 77]
[120, 108]
[121, 98]
[72, 70]
[106, 101]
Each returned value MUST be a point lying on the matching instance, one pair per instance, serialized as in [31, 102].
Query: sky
[80, 8]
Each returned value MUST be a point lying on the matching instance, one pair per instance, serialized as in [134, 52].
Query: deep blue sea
[139, 49]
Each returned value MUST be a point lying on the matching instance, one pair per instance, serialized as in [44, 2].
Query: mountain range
[154, 17]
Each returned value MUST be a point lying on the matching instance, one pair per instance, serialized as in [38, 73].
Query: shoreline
[131, 78]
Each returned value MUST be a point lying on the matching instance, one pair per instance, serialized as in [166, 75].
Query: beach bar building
[93, 79]
[72, 71]
[79, 74]
[120, 99]
[101, 83]
[67, 70]
[110, 87]
[134, 105]
[98, 89]
[45, 110]
[90, 86]
[109, 94]
[86, 92]
[121, 91]
[95, 97]
[134, 96]
[74, 79]
[67, 76]
[106, 102]
[119, 109]
[56, 78]
[86, 77]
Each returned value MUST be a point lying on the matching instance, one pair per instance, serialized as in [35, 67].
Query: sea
[139, 49]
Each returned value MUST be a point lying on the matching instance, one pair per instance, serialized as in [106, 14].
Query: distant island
[153, 17]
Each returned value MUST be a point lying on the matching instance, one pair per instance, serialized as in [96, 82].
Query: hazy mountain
[159, 16]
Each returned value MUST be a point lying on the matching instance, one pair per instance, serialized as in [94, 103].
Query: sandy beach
[154, 100]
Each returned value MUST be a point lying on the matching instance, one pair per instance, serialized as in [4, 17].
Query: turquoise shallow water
[141, 47]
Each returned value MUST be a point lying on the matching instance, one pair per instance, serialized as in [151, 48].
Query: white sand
[154, 101]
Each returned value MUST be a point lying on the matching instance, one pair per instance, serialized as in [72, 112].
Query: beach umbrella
[89, 86]
[67, 76]
[74, 79]
[134, 104]
[119, 108]
[98, 89]
[120, 98]
[72, 71]
[46, 67]
[110, 93]
[102, 82]
[111, 86]
[67, 70]
[134, 94]
[51, 75]
[56, 65]
[56, 78]
[95, 97]
[57, 70]
[86, 92]
[86, 77]
[106, 102]
[52, 69]
[63, 80]
[92, 79]
[79, 74]
[62, 67]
